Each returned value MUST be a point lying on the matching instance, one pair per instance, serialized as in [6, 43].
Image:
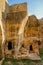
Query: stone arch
[8, 48]
[31, 48]
[9, 45]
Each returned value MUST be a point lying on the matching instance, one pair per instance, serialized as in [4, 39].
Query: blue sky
[34, 6]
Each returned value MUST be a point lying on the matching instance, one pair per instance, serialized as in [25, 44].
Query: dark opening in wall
[9, 45]
[31, 49]
[23, 45]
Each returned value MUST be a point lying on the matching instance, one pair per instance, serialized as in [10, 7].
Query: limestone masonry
[21, 36]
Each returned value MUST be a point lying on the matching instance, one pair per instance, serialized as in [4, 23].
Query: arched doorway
[9, 45]
[30, 49]
[8, 48]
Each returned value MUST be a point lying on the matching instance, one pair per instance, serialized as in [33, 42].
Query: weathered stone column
[2, 9]
[3, 32]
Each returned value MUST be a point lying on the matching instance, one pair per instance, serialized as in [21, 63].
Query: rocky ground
[9, 61]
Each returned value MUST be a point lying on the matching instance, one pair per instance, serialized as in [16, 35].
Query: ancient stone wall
[18, 7]
[12, 19]
[12, 23]
[41, 30]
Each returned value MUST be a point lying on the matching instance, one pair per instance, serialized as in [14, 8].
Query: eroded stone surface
[15, 22]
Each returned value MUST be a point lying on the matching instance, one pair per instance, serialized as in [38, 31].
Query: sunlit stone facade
[22, 34]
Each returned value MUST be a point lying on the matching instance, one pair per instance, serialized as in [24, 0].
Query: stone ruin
[19, 39]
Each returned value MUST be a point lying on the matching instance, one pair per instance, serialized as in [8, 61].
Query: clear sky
[34, 6]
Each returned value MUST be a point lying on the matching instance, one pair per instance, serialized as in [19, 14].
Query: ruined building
[19, 33]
